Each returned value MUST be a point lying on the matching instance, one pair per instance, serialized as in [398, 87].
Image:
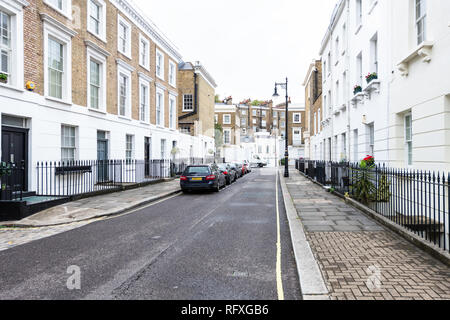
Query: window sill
[343, 52]
[101, 38]
[62, 12]
[358, 28]
[359, 97]
[336, 63]
[187, 111]
[97, 110]
[373, 86]
[125, 118]
[160, 126]
[126, 55]
[423, 51]
[374, 4]
[11, 87]
[160, 77]
[59, 100]
[144, 123]
[147, 68]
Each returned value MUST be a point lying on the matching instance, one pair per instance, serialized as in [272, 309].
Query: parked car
[243, 168]
[236, 169]
[202, 177]
[247, 166]
[229, 173]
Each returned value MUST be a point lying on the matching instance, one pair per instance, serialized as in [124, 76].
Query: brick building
[106, 86]
[196, 100]
[313, 105]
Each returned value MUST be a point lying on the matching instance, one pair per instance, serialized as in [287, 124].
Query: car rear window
[197, 170]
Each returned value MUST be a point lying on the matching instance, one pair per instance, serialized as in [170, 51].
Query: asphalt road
[196, 246]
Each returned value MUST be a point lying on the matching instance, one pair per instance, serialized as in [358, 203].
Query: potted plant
[364, 188]
[3, 78]
[371, 76]
[357, 89]
[5, 170]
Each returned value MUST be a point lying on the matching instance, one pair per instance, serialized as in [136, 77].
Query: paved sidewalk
[360, 259]
[99, 206]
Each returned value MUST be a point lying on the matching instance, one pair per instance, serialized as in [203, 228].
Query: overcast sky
[246, 45]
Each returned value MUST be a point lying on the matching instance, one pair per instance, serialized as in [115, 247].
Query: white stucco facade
[401, 117]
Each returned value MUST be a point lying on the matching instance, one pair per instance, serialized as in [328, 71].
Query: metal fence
[12, 176]
[416, 200]
[84, 177]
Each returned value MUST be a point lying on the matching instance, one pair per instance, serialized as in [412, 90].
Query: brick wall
[34, 55]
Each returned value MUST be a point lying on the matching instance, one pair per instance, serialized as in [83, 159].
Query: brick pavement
[359, 258]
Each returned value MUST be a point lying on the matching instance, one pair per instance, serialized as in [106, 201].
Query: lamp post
[286, 155]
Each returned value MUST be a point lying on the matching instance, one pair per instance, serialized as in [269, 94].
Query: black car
[202, 177]
[236, 169]
[229, 173]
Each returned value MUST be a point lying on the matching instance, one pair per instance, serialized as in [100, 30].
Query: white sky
[246, 45]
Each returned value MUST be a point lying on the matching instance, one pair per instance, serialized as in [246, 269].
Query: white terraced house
[401, 116]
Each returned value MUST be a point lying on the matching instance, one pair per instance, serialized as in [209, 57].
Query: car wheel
[218, 187]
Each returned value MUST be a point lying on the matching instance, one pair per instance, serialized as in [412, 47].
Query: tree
[256, 103]
[217, 98]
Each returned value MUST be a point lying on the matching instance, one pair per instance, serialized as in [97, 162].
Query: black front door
[14, 151]
[147, 148]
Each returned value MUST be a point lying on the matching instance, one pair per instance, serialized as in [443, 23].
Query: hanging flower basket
[357, 89]
[371, 76]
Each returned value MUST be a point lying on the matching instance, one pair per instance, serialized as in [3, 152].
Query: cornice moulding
[95, 47]
[125, 65]
[55, 23]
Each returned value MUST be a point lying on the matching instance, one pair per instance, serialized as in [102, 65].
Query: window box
[371, 76]
[60, 171]
[357, 89]
[423, 51]
[3, 78]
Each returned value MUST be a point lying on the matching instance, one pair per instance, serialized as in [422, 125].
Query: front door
[14, 151]
[147, 154]
[102, 157]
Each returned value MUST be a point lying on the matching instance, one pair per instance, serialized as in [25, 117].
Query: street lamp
[286, 155]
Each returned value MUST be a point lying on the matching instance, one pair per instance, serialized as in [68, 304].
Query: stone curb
[311, 280]
[109, 213]
[426, 246]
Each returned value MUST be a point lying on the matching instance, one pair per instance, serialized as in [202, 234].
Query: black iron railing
[416, 200]
[12, 177]
[84, 177]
